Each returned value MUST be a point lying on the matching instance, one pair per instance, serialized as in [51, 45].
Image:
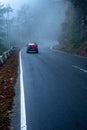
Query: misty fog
[47, 19]
[39, 20]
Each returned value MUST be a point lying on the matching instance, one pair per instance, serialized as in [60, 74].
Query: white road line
[22, 98]
[85, 71]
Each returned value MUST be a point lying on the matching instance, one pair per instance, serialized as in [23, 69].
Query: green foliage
[82, 4]
[2, 48]
[73, 30]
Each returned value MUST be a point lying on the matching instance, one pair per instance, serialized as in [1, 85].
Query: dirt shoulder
[82, 50]
[8, 77]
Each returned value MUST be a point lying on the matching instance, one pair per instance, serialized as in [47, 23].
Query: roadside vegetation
[73, 37]
[8, 77]
[3, 48]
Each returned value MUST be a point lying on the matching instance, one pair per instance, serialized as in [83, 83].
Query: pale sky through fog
[15, 4]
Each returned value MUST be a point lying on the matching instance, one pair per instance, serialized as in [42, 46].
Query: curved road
[55, 88]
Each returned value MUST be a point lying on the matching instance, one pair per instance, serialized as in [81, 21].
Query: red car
[32, 47]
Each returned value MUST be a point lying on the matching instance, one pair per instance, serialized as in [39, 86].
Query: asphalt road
[55, 87]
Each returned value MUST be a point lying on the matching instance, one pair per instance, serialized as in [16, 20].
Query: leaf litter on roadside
[8, 76]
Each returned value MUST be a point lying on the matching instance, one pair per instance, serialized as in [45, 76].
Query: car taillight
[34, 47]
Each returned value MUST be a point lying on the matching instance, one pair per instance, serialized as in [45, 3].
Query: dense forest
[74, 29]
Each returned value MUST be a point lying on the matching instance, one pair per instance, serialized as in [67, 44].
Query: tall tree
[2, 31]
[4, 20]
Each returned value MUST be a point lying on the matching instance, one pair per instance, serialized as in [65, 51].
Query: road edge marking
[23, 124]
[81, 69]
